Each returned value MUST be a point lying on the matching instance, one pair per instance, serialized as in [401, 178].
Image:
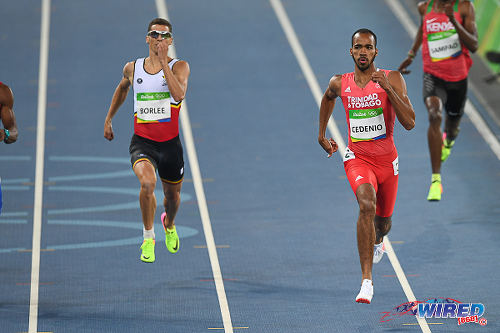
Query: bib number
[444, 45]
[348, 155]
[367, 125]
[395, 166]
[153, 107]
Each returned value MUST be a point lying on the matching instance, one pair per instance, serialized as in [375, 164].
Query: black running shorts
[166, 157]
[452, 94]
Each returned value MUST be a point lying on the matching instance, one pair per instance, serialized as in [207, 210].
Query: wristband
[7, 134]
[411, 54]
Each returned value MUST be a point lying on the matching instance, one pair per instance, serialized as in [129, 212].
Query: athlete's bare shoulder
[465, 7]
[395, 76]
[6, 95]
[181, 66]
[334, 86]
[128, 71]
[422, 7]
[397, 81]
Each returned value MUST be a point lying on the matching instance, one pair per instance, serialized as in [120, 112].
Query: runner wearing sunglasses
[160, 84]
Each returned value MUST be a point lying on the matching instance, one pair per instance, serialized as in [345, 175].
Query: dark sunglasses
[155, 34]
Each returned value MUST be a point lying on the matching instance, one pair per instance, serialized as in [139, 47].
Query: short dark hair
[364, 31]
[160, 21]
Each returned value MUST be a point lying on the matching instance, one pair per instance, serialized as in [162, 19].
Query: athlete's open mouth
[363, 60]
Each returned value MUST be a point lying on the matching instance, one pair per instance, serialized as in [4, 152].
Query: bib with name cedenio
[366, 118]
[369, 115]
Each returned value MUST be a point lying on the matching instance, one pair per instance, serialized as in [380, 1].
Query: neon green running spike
[148, 250]
[171, 237]
[446, 148]
[435, 191]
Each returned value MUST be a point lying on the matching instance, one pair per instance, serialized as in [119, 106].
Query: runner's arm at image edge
[7, 115]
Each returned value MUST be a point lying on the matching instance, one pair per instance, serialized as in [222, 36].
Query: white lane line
[311, 79]
[403, 281]
[40, 153]
[470, 109]
[200, 196]
[314, 86]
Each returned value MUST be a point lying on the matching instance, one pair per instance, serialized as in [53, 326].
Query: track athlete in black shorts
[160, 84]
[9, 132]
[447, 34]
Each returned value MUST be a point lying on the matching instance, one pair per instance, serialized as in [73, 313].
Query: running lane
[20, 39]
[283, 214]
[287, 210]
[445, 248]
[91, 278]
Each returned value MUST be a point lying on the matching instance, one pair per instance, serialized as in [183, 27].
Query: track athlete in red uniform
[372, 100]
[9, 132]
[447, 33]
[160, 84]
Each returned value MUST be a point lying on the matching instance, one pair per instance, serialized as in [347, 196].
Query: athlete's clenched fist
[380, 78]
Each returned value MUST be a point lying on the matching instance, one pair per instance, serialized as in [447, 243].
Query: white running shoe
[378, 252]
[366, 293]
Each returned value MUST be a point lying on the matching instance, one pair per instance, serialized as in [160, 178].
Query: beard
[363, 67]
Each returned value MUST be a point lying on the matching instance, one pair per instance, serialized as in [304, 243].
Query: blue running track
[283, 215]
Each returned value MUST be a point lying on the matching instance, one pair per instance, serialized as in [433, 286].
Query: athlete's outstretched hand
[328, 145]
[380, 78]
[108, 131]
[403, 68]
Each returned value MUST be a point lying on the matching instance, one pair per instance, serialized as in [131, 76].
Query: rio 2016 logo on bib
[153, 107]
[367, 125]
[444, 45]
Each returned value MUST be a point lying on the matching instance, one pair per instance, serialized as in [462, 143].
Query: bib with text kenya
[443, 54]
[443, 44]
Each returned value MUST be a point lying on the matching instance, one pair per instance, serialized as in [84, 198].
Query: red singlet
[370, 117]
[371, 156]
[443, 55]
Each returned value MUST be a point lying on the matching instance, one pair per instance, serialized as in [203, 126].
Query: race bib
[348, 155]
[444, 45]
[367, 125]
[153, 107]
[395, 166]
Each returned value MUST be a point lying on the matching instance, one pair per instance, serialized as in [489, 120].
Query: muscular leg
[146, 174]
[367, 200]
[434, 136]
[171, 201]
[451, 127]
[382, 227]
